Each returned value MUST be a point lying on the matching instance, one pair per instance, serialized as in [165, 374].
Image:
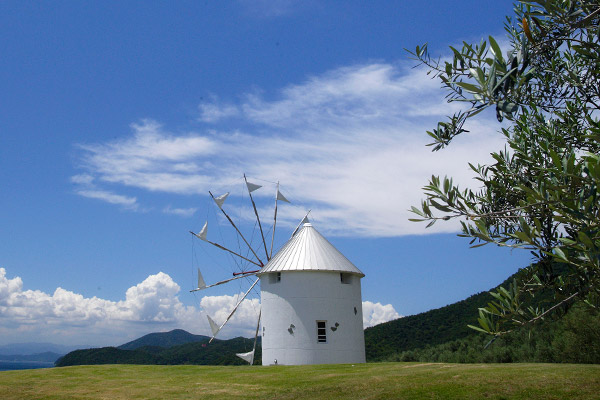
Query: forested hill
[429, 328]
[174, 347]
[442, 335]
[175, 337]
[219, 352]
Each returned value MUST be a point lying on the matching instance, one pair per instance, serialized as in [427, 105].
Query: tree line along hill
[166, 348]
[439, 335]
[443, 335]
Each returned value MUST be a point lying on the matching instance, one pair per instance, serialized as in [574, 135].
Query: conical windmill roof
[308, 250]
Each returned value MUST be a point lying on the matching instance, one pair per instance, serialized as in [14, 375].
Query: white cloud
[112, 198]
[213, 112]
[349, 144]
[83, 179]
[86, 187]
[364, 95]
[152, 159]
[67, 317]
[243, 322]
[153, 305]
[377, 313]
[182, 212]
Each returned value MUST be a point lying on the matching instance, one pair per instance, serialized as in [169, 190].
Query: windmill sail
[231, 313]
[226, 249]
[251, 188]
[200, 287]
[234, 225]
[202, 234]
[213, 326]
[221, 199]
[249, 356]
[201, 283]
[281, 197]
[278, 196]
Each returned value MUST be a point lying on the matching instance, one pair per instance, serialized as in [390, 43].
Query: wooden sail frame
[202, 235]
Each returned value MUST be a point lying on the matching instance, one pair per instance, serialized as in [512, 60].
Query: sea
[15, 365]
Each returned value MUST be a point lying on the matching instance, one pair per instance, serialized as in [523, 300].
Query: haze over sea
[15, 365]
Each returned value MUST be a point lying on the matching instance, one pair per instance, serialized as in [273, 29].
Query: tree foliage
[575, 338]
[541, 192]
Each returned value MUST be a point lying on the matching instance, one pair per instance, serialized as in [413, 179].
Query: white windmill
[310, 297]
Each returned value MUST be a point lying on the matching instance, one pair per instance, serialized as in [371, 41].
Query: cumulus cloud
[65, 317]
[68, 317]
[348, 144]
[243, 322]
[377, 313]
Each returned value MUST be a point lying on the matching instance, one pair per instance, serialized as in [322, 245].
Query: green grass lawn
[362, 381]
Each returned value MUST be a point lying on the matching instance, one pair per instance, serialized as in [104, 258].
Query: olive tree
[541, 191]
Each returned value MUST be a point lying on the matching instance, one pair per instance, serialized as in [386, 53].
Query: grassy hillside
[361, 381]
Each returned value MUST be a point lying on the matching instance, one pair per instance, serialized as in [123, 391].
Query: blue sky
[118, 117]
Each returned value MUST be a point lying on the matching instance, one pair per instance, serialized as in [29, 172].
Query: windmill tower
[311, 304]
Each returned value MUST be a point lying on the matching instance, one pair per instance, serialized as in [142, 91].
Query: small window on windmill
[346, 278]
[321, 331]
[275, 277]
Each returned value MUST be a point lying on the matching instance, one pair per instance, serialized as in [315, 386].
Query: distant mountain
[36, 348]
[163, 339]
[219, 352]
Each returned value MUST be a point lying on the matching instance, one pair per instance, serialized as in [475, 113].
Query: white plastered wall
[291, 309]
